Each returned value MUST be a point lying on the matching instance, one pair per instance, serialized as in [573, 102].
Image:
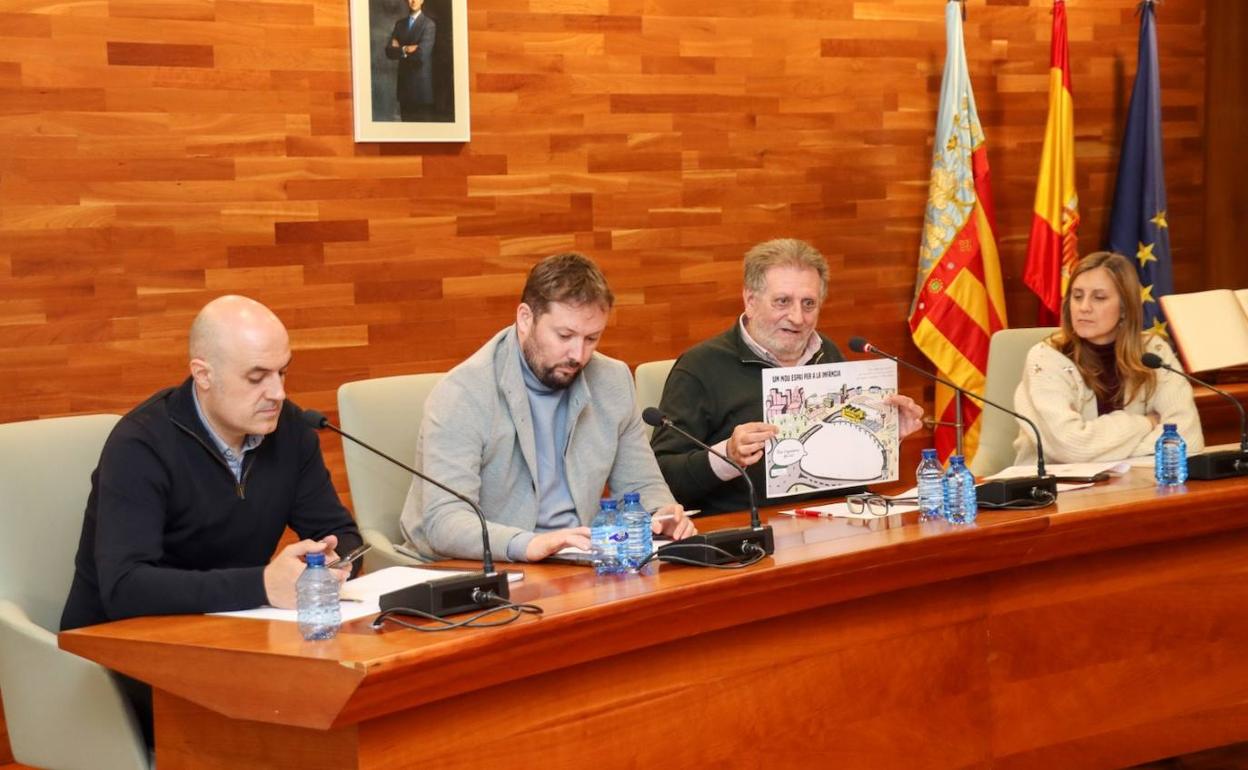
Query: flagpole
[957, 397]
[957, 425]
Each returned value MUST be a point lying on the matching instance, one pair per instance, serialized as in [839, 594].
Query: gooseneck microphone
[1211, 465]
[1041, 487]
[735, 540]
[445, 596]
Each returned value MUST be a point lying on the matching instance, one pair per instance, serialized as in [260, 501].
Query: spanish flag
[958, 298]
[1052, 250]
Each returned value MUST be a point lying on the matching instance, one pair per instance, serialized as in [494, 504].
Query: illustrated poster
[835, 429]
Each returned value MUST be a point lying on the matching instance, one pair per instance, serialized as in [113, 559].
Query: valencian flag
[1052, 250]
[1137, 225]
[958, 299]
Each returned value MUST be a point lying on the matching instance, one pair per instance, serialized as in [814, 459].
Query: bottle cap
[632, 497]
[929, 454]
[607, 502]
[1169, 426]
[314, 559]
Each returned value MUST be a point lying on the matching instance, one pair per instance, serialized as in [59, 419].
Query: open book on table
[1210, 328]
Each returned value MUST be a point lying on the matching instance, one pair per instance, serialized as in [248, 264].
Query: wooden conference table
[1108, 630]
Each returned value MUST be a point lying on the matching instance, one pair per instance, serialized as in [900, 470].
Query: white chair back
[386, 413]
[62, 711]
[1007, 352]
[650, 378]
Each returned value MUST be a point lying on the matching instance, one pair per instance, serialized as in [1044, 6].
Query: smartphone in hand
[346, 561]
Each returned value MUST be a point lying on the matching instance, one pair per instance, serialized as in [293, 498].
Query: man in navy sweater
[196, 486]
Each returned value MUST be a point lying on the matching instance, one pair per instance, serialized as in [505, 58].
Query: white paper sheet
[841, 511]
[899, 514]
[1068, 469]
[360, 595]
[834, 429]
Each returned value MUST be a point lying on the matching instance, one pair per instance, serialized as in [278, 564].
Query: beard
[782, 345]
[546, 373]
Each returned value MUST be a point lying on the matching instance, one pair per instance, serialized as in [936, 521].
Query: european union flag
[1137, 224]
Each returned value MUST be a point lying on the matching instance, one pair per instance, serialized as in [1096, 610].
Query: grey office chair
[63, 711]
[384, 412]
[1007, 352]
[650, 378]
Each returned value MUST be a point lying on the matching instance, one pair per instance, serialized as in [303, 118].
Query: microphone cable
[663, 553]
[1044, 499]
[514, 610]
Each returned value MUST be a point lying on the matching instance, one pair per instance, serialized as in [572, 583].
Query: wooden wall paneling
[191, 149]
[1226, 160]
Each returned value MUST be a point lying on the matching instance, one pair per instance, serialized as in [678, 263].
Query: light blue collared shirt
[232, 459]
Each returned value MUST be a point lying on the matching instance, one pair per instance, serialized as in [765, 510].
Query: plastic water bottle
[316, 596]
[1170, 457]
[961, 505]
[929, 477]
[637, 524]
[608, 538]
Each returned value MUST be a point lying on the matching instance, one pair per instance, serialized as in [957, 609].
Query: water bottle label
[619, 536]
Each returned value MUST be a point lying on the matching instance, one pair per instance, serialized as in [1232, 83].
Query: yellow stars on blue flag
[1137, 221]
[1158, 328]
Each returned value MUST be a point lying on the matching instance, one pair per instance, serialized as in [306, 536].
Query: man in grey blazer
[533, 426]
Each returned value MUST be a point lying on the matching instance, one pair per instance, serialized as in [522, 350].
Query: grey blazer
[477, 437]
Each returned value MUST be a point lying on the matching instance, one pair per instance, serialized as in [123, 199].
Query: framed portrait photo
[409, 70]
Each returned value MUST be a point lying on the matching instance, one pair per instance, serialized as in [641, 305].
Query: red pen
[808, 513]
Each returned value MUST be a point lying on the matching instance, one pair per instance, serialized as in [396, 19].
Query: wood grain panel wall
[1226, 157]
[154, 154]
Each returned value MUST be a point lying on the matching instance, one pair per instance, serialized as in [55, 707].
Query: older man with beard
[715, 389]
[533, 426]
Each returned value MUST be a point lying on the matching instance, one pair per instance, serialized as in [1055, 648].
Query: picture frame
[409, 70]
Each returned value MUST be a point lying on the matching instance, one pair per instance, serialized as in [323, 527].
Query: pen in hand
[670, 516]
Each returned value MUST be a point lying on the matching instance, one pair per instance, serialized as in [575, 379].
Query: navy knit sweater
[167, 528]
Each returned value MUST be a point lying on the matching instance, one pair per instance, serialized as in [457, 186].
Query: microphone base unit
[1027, 488]
[450, 595]
[734, 541]
[1217, 465]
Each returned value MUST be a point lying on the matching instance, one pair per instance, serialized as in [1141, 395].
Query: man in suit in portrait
[411, 45]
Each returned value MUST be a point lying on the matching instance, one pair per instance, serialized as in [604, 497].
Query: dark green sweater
[714, 387]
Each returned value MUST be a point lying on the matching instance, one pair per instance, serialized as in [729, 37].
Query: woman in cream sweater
[1086, 388]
